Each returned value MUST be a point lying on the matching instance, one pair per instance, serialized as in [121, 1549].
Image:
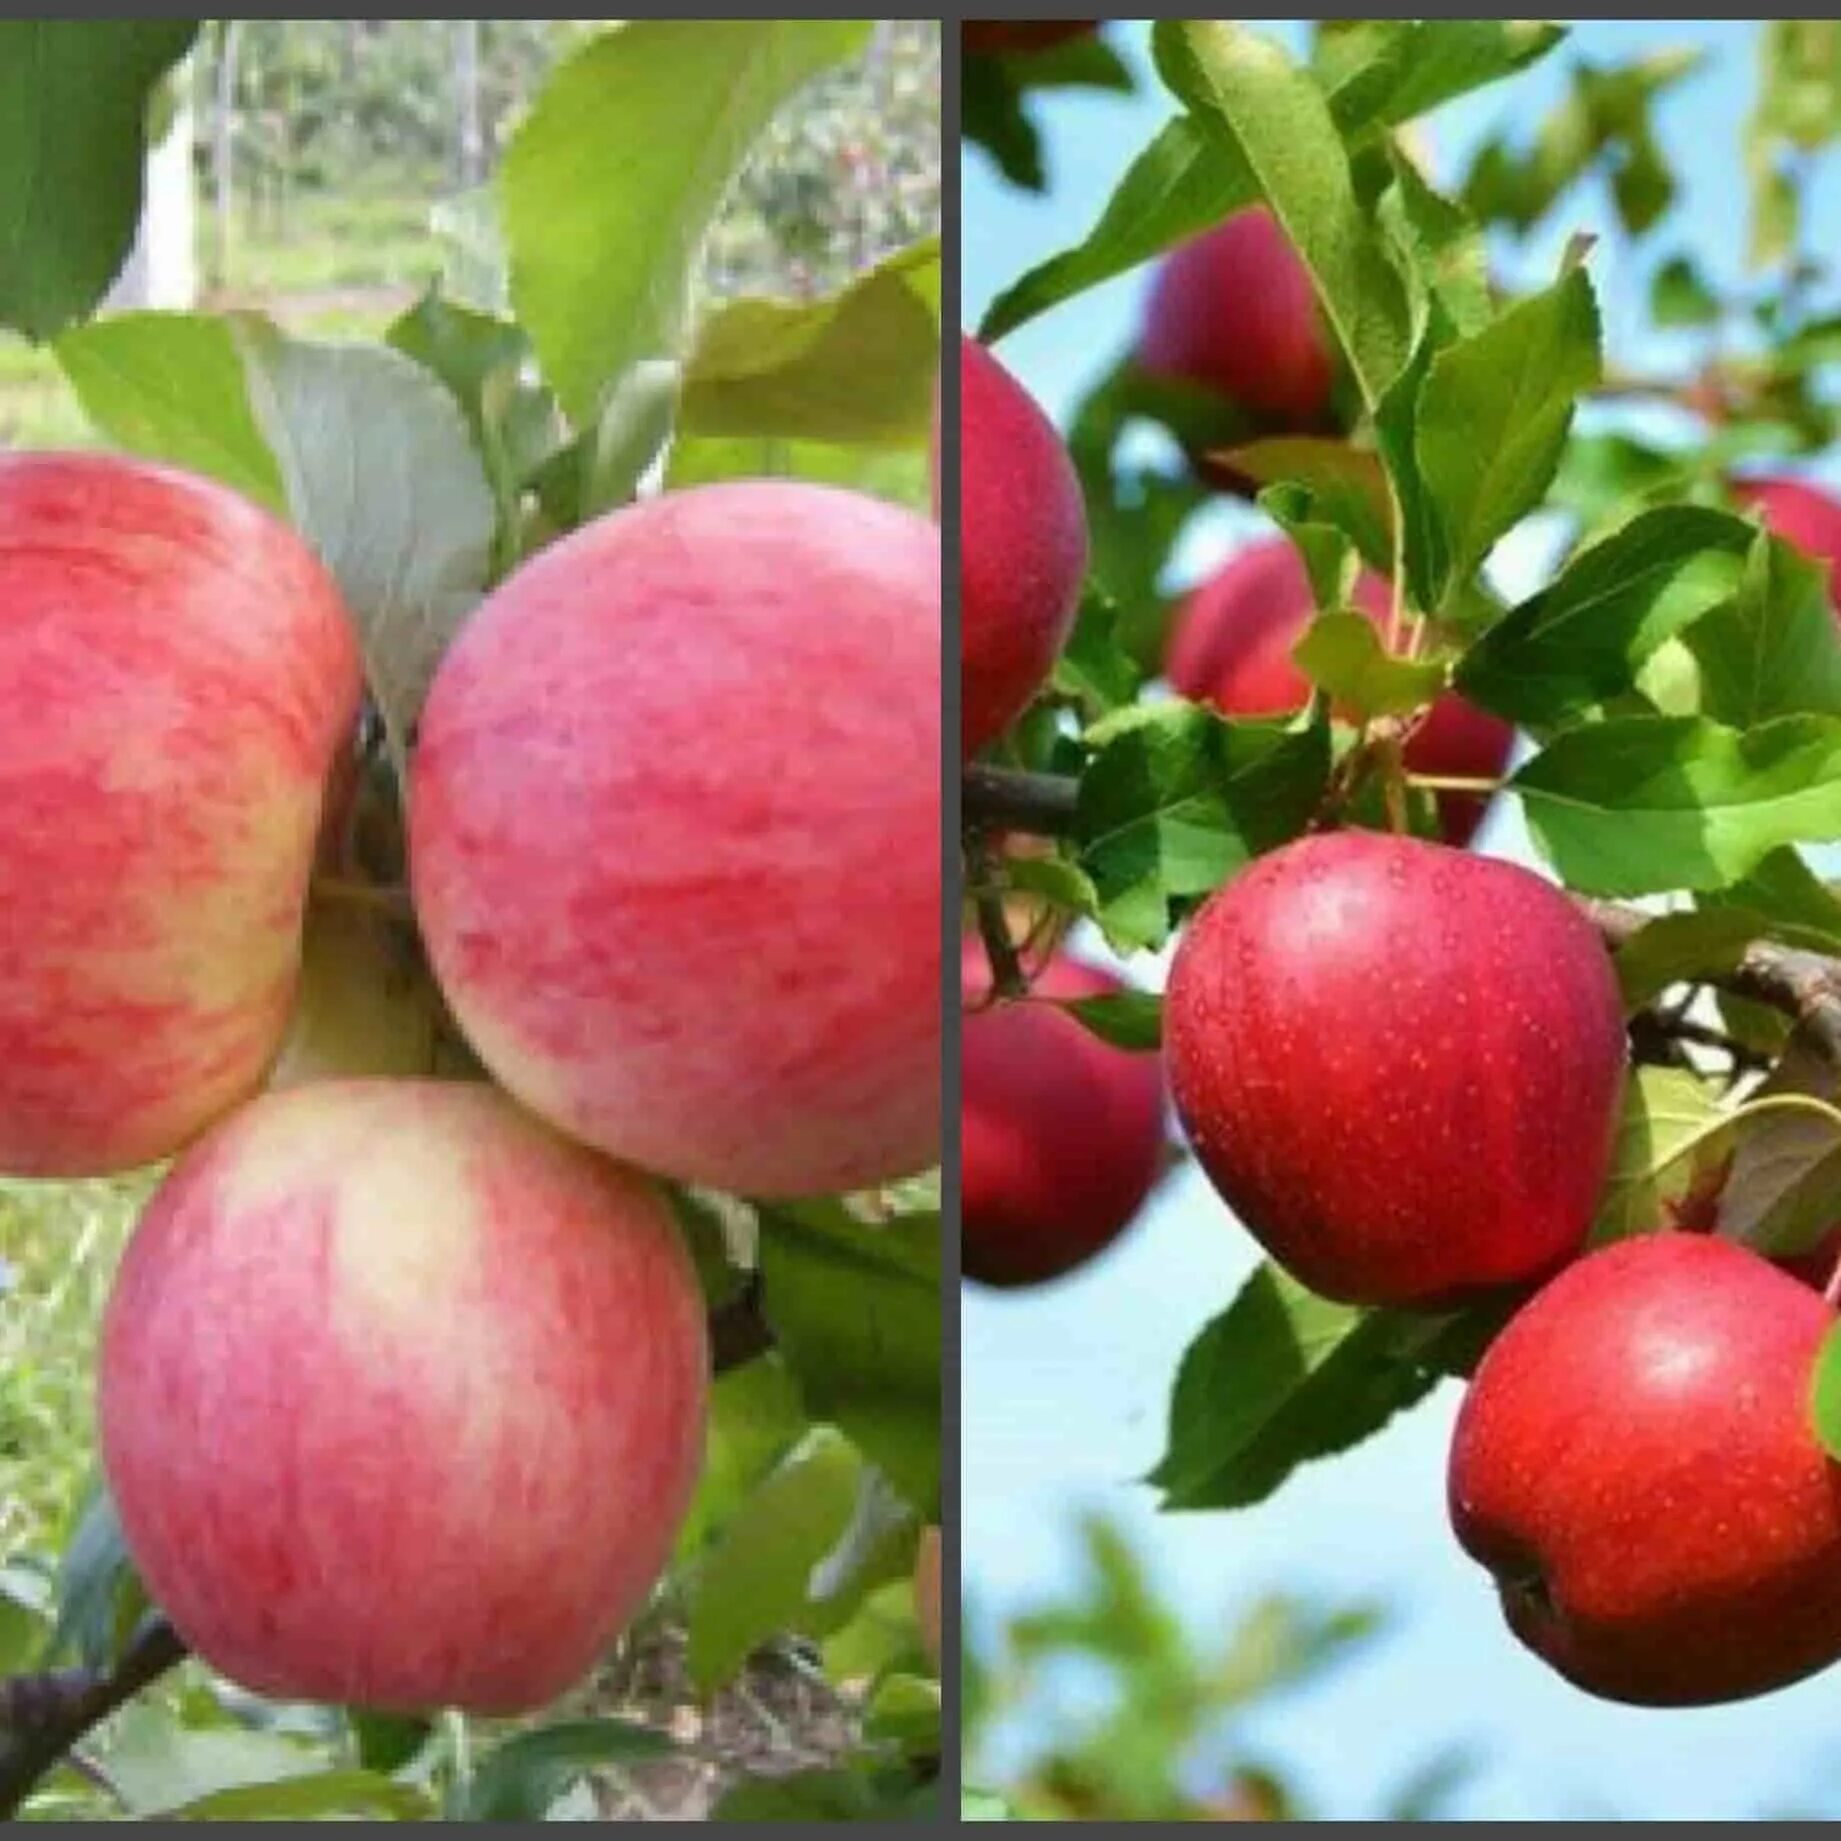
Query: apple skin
[1801, 514]
[1635, 1462]
[1400, 1065]
[1062, 1135]
[1023, 547]
[177, 675]
[1231, 645]
[1233, 312]
[402, 1397]
[998, 37]
[659, 776]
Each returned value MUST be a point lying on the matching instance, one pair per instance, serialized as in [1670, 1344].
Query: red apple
[402, 1398]
[1635, 1463]
[1802, 515]
[1233, 312]
[1061, 1133]
[1401, 1065]
[675, 836]
[1231, 646]
[996, 37]
[1022, 547]
[177, 675]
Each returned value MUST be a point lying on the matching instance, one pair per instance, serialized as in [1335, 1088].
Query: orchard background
[1696, 157]
[325, 199]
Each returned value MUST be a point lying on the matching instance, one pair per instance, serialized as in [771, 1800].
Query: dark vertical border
[951, 906]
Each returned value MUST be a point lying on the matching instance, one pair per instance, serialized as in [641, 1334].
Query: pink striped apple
[177, 674]
[675, 836]
[402, 1397]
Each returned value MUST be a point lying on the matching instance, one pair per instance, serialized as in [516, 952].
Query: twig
[1007, 799]
[1804, 986]
[44, 1716]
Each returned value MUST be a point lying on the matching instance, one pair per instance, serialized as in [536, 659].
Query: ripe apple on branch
[1488, 1124]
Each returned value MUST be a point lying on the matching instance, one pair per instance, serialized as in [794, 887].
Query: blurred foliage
[1131, 1715]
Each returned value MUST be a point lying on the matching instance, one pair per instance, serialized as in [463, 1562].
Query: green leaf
[1825, 1394]
[1186, 181]
[515, 424]
[769, 1571]
[74, 98]
[994, 95]
[755, 1419]
[1774, 649]
[855, 1311]
[904, 1712]
[1320, 539]
[1779, 1196]
[1604, 477]
[1670, 1146]
[1642, 804]
[1442, 251]
[100, 1598]
[1580, 640]
[171, 386]
[156, 1765]
[1127, 1019]
[383, 481]
[1172, 805]
[1280, 1377]
[1493, 416]
[1095, 668]
[1278, 121]
[1348, 486]
[857, 367]
[1799, 908]
[1679, 297]
[521, 1778]
[1422, 543]
[1689, 947]
[386, 1741]
[1412, 65]
[310, 1797]
[1343, 655]
[609, 185]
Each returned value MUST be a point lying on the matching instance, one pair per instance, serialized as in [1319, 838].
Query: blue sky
[1065, 1389]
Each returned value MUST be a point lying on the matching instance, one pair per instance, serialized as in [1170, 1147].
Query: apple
[1802, 515]
[675, 836]
[1022, 547]
[1401, 1065]
[1635, 1463]
[402, 1397]
[997, 37]
[1231, 644]
[178, 675]
[927, 1593]
[1233, 313]
[1062, 1135]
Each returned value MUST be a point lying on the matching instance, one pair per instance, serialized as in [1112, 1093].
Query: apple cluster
[1402, 1066]
[403, 1380]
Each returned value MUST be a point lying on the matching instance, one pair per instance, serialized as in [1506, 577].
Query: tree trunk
[470, 162]
[223, 151]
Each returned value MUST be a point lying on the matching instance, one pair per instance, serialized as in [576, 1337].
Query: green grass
[336, 240]
[59, 1243]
